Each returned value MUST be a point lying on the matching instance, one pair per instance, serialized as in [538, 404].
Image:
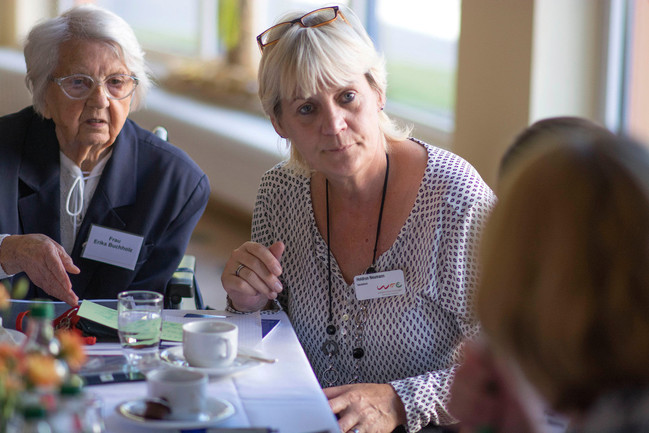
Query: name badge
[113, 247]
[379, 285]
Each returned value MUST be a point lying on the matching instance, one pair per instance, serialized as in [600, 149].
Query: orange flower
[12, 384]
[44, 371]
[10, 357]
[4, 297]
[72, 350]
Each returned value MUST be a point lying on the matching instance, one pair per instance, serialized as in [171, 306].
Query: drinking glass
[139, 325]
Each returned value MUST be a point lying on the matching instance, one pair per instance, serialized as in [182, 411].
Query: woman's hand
[368, 407]
[44, 261]
[251, 275]
[482, 396]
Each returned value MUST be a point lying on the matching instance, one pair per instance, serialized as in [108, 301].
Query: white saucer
[11, 336]
[173, 356]
[217, 410]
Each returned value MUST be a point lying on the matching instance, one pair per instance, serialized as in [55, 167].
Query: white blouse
[77, 189]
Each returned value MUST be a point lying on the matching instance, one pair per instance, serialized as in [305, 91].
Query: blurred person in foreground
[92, 203]
[482, 394]
[367, 238]
[564, 291]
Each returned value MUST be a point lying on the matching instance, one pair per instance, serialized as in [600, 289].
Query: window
[418, 38]
[169, 26]
[628, 69]
[636, 95]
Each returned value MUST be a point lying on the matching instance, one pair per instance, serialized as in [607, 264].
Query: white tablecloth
[284, 396]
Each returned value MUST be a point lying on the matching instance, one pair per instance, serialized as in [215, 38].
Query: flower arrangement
[23, 373]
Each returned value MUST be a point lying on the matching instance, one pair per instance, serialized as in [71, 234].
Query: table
[284, 396]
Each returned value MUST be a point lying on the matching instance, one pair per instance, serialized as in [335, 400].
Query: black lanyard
[371, 269]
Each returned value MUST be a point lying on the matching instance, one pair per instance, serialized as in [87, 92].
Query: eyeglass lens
[315, 18]
[80, 86]
[318, 17]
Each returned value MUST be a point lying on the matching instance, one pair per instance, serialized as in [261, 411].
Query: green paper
[171, 331]
[98, 313]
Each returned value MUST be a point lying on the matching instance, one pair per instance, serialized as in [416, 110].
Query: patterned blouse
[412, 341]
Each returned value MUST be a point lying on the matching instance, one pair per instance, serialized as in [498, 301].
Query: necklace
[330, 346]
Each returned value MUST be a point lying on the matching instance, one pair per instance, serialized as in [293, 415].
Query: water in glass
[139, 325]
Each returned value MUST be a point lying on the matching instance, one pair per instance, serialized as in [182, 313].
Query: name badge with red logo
[379, 285]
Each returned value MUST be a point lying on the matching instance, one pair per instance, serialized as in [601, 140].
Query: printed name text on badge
[379, 285]
[112, 246]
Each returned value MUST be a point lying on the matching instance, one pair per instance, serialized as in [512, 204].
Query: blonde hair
[564, 287]
[83, 22]
[306, 60]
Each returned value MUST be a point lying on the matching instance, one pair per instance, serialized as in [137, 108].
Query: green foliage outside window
[422, 87]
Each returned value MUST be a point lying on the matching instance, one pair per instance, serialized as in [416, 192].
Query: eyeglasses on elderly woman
[80, 86]
[316, 18]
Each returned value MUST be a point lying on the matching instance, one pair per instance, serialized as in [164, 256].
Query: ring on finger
[241, 266]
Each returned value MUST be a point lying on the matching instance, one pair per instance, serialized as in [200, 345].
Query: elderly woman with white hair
[92, 204]
[367, 238]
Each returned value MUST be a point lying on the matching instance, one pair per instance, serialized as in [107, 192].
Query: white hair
[84, 22]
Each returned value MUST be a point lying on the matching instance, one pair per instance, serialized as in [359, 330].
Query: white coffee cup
[184, 390]
[210, 343]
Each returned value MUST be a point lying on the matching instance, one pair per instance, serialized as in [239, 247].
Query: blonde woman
[367, 238]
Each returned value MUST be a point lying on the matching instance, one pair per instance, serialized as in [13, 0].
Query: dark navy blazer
[148, 187]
